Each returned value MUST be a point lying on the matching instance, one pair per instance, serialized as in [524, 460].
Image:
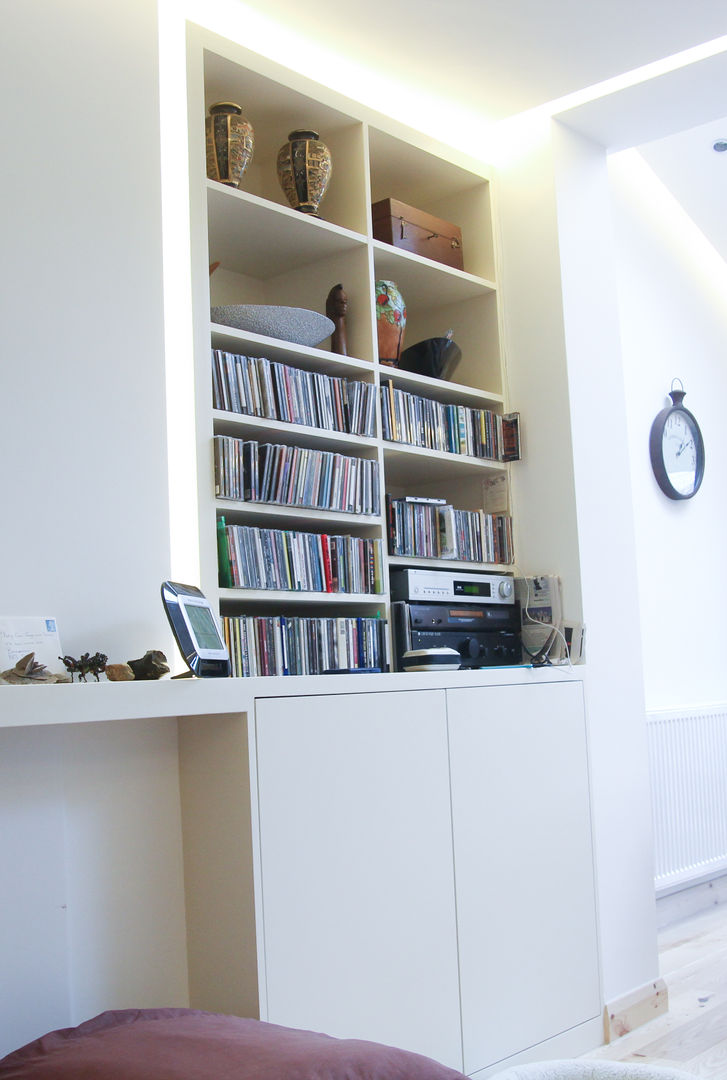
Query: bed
[188, 1044]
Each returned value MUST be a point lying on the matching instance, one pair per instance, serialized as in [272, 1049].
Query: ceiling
[498, 58]
[501, 57]
[696, 175]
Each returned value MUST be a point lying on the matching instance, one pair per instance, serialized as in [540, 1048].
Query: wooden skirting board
[634, 1009]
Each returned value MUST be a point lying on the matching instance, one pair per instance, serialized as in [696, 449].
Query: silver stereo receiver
[448, 586]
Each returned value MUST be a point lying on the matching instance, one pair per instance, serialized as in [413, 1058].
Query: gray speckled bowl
[299, 325]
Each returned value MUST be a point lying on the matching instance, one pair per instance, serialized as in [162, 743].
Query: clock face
[677, 450]
[679, 442]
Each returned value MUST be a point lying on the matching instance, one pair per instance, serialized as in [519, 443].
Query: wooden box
[413, 230]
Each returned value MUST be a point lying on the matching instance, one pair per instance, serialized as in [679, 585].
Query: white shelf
[106, 702]
[417, 176]
[432, 283]
[403, 463]
[260, 239]
[240, 597]
[440, 389]
[259, 427]
[450, 564]
[238, 512]
[245, 343]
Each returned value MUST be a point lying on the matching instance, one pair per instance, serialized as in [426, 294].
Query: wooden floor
[693, 1035]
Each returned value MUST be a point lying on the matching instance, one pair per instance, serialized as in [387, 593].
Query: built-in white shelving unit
[325, 842]
[269, 253]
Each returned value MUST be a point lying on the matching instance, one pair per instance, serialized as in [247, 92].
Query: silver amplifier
[447, 586]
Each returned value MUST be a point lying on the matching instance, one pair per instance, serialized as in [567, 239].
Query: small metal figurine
[86, 665]
[336, 308]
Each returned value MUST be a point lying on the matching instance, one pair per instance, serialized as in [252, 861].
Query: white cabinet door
[523, 866]
[357, 876]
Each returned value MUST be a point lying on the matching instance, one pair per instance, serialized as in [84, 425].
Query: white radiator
[688, 763]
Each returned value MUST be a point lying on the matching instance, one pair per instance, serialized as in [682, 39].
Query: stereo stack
[474, 613]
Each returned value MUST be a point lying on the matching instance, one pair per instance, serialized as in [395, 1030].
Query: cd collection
[454, 429]
[287, 645]
[431, 528]
[257, 558]
[248, 470]
[295, 476]
[257, 386]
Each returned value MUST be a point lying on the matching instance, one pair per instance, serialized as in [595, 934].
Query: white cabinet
[426, 873]
[356, 868]
[523, 866]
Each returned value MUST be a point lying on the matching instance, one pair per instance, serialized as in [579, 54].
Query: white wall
[90, 838]
[82, 416]
[673, 323]
[546, 539]
[615, 695]
[34, 988]
[573, 494]
[123, 854]
[91, 879]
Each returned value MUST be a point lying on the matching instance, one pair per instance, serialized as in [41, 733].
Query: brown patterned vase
[230, 143]
[304, 170]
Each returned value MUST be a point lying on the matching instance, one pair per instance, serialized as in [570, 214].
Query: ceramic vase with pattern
[390, 322]
[230, 143]
[304, 170]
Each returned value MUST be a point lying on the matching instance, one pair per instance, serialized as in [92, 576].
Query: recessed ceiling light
[720, 146]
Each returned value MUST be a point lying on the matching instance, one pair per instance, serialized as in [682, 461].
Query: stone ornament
[119, 673]
[152, 665]
[28, 672]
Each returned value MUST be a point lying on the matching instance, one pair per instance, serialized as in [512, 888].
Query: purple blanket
[185, 1044]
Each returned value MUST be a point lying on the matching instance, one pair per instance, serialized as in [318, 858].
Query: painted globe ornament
[390, 322]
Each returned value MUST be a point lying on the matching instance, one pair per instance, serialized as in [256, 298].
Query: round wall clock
[677, 449]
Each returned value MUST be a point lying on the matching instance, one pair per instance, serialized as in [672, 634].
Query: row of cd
[257, 386]
[454, 429]
[281, 559]
[433, 529]
[295, 476]
[294, 645]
